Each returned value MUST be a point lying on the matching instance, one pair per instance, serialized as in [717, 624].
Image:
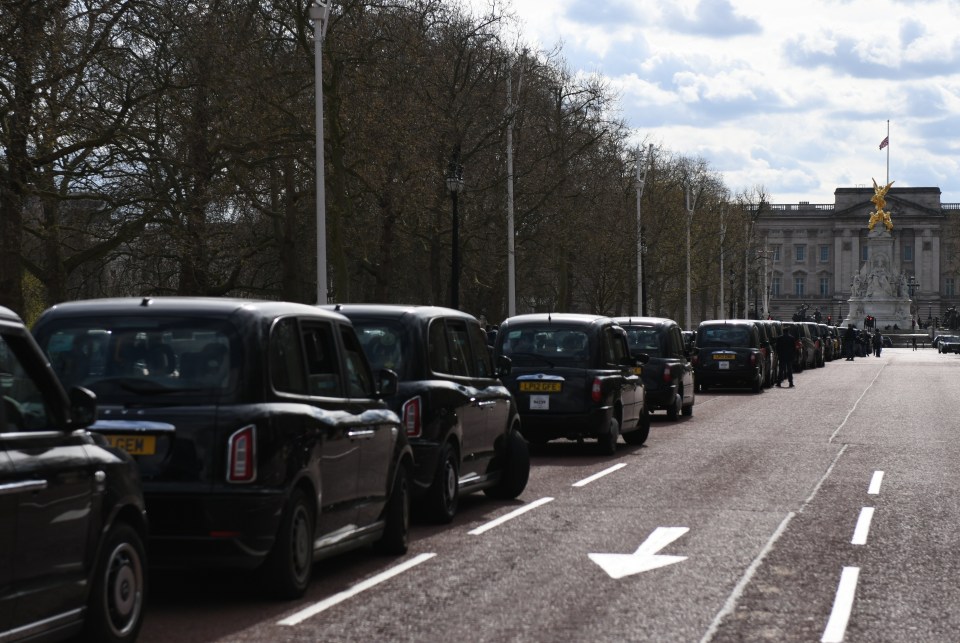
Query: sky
[791, 95]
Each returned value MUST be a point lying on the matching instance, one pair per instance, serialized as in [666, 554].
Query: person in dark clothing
[850, 341]
[786, 352]
[877, 343]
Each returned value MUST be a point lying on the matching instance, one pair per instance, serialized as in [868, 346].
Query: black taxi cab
[258, 427]
[461, 420]
[573, 377]
[72, 514]
[668, 375]
[729, 353]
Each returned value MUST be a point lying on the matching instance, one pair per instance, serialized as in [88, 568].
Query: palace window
[775, 286]
[824, 286]
[949, 287]
[776, 252]
[907, 252]
[798, 286]
[864, 253]
[800, 253]
[824, 254]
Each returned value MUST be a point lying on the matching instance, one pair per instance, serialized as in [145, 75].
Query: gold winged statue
[878, 200]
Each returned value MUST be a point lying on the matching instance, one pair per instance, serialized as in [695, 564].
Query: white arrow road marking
[646, 556]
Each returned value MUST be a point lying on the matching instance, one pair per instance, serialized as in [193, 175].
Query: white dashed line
[313, 610]
[862, 529]
[875, 483]
[842, 606]
[510, 516]
[597, 476]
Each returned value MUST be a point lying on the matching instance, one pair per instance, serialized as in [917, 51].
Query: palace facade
[809, 253]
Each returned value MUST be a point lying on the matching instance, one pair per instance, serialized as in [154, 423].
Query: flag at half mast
[884, 142]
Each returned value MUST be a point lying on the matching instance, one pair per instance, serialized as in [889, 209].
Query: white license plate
[723, 366]
[539, 402]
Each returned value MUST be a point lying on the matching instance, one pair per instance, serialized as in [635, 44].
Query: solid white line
[850, 412]
[862, 529]
[510, 516]
[842, 606]
[313, 610]
[597, 476]
[731, 602]
[875, 483]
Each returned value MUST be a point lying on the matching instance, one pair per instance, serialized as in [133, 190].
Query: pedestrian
[850, 342]
[786, 353]
[877, 343]
[914, 338]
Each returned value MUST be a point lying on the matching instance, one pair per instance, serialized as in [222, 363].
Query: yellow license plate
[134, 444]
[724, 356]
[540, 387]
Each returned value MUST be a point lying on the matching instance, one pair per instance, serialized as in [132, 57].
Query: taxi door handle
[361, 434]
[22, 487]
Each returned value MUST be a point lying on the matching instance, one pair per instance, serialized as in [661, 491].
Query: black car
[459, 417]
[668, 375]
[260, 431]
[72, 515]
[728, 353]
[573, 377]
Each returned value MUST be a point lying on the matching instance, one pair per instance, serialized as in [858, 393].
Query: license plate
[540, 387]
[724, 366]
[539, 402]
[724, 356]
[134, 444]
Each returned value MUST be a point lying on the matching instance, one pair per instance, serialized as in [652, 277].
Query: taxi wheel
[115, 613]
[638, 437]
[396, 533]
[673, 412]
[515, 471]
[287, 569]
[444, 494]
[608, 441]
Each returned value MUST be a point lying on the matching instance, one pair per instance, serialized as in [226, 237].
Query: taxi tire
[287, 570]
[118, 596]
[608, 441]
[673, 411]
[396, 532]
[443, 496]
[638, 437]
[687, 409]
[515, 471]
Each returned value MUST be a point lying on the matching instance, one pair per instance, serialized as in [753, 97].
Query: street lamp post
[320, 15]
[690, 205]
[455, 187]
[641, 176]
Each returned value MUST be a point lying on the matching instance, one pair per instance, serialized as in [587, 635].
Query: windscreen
[385, 344]
[644, 339]
[550, 344]
[122, 357]
[723, 337]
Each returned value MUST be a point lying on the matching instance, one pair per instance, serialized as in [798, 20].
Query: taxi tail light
[411, 417]
[242, 455]
[695, 360]
[596, 391]
[667, 376]
[753, 359]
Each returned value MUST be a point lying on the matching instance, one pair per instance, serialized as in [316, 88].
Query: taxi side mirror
[387, 382]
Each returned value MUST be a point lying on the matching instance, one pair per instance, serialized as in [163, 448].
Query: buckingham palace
[810, 253]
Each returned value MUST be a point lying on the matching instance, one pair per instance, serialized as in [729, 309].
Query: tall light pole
[455, 187]
[690, 205]
[320, 15]
[723, 232]
[511, 248]
[641, 176]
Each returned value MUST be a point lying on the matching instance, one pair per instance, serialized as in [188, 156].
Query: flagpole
[888, 151]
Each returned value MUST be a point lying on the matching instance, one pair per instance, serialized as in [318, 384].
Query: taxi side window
[482, 366]
[437, 347]
[459, 348]
[286, 357]
[614, 350]
[23, 407]
[321, 356]
[359, 379]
